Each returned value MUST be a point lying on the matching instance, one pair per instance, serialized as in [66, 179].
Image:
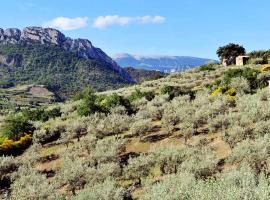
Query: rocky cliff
[49, 36]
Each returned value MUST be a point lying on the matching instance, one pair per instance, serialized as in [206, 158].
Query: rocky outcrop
[43, 36]
[11, 60]
[49, 36]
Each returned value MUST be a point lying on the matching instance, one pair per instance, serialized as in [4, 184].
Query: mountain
[46, 56]
[160, 63]
[139, 75]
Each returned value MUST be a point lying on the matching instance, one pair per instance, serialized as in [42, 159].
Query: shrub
[112, 124]
[86, 93]
[174, 91]
[207, 67]
[263, 79]
[87, 107]
[170, 117]
[139, 167]
[188, 129]
[137, 94]
[29, 184]
[108, 190]
[254, 153]
[140, 127]
[235, 134]
[200, 161]
[235, 184]
[240, 84]
[247, 73]
[76, 128]
[217, 123]
[72, 172]
[107, 150]
[15, 126]
[168, 157]
[258, 61]
[15, 147]
[50, 131]
[7, 164]
[41, 114]
[265, 68]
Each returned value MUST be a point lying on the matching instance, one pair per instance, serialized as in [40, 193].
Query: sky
[149, 27]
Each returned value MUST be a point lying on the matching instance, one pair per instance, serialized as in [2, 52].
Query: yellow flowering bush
[217, 91]
[265, 68]
[231, 92]
[8, 146]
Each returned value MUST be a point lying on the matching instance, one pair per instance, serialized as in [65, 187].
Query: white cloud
[109, 20]
[65, 23]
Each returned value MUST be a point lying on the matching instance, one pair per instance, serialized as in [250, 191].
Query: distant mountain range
[160, 63]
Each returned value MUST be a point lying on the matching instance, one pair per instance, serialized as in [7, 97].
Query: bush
[254, 153]
[7, 164]
[137, 94]
[174, 91]
[207, 67]
[139, 167]
[87, 106]
[41, 114]
[240, 84]
[50, 131]
[247, 73]
[258, 61]
[112, 124]
[108, 190]
[29, 184]
[16, 126]
[235, 184]
[9, 147]
[140, 127]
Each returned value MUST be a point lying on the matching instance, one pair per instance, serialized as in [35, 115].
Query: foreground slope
[202, 134]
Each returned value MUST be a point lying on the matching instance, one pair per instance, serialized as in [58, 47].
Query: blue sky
[149, 27]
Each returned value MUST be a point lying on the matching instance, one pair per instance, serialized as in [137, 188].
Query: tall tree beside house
[230, 52]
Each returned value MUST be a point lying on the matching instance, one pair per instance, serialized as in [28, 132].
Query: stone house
[242, 60]
[239, 61]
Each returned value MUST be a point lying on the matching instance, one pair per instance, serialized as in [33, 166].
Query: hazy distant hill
[161, 63]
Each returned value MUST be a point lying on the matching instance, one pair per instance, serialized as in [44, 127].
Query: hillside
[25, 96]
[201, 134]
[165, 64]
[63, 65]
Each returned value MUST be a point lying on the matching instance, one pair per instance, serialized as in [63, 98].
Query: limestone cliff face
[49, 36]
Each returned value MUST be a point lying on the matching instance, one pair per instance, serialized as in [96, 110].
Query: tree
[230, 52]
[16, 126]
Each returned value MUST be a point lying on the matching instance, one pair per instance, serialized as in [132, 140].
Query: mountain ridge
[160, 63]
[49, 36]
[64, 65]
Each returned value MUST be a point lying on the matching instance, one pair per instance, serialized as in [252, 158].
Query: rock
[12, 35]
[11, 60]
[1, 34]
[43, 36]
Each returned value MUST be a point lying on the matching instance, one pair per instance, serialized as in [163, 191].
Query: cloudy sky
[149, 27]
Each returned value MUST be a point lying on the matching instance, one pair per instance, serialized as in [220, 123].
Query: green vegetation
[140, 75]
[16, 126]
[201, 134]
[61, 72]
